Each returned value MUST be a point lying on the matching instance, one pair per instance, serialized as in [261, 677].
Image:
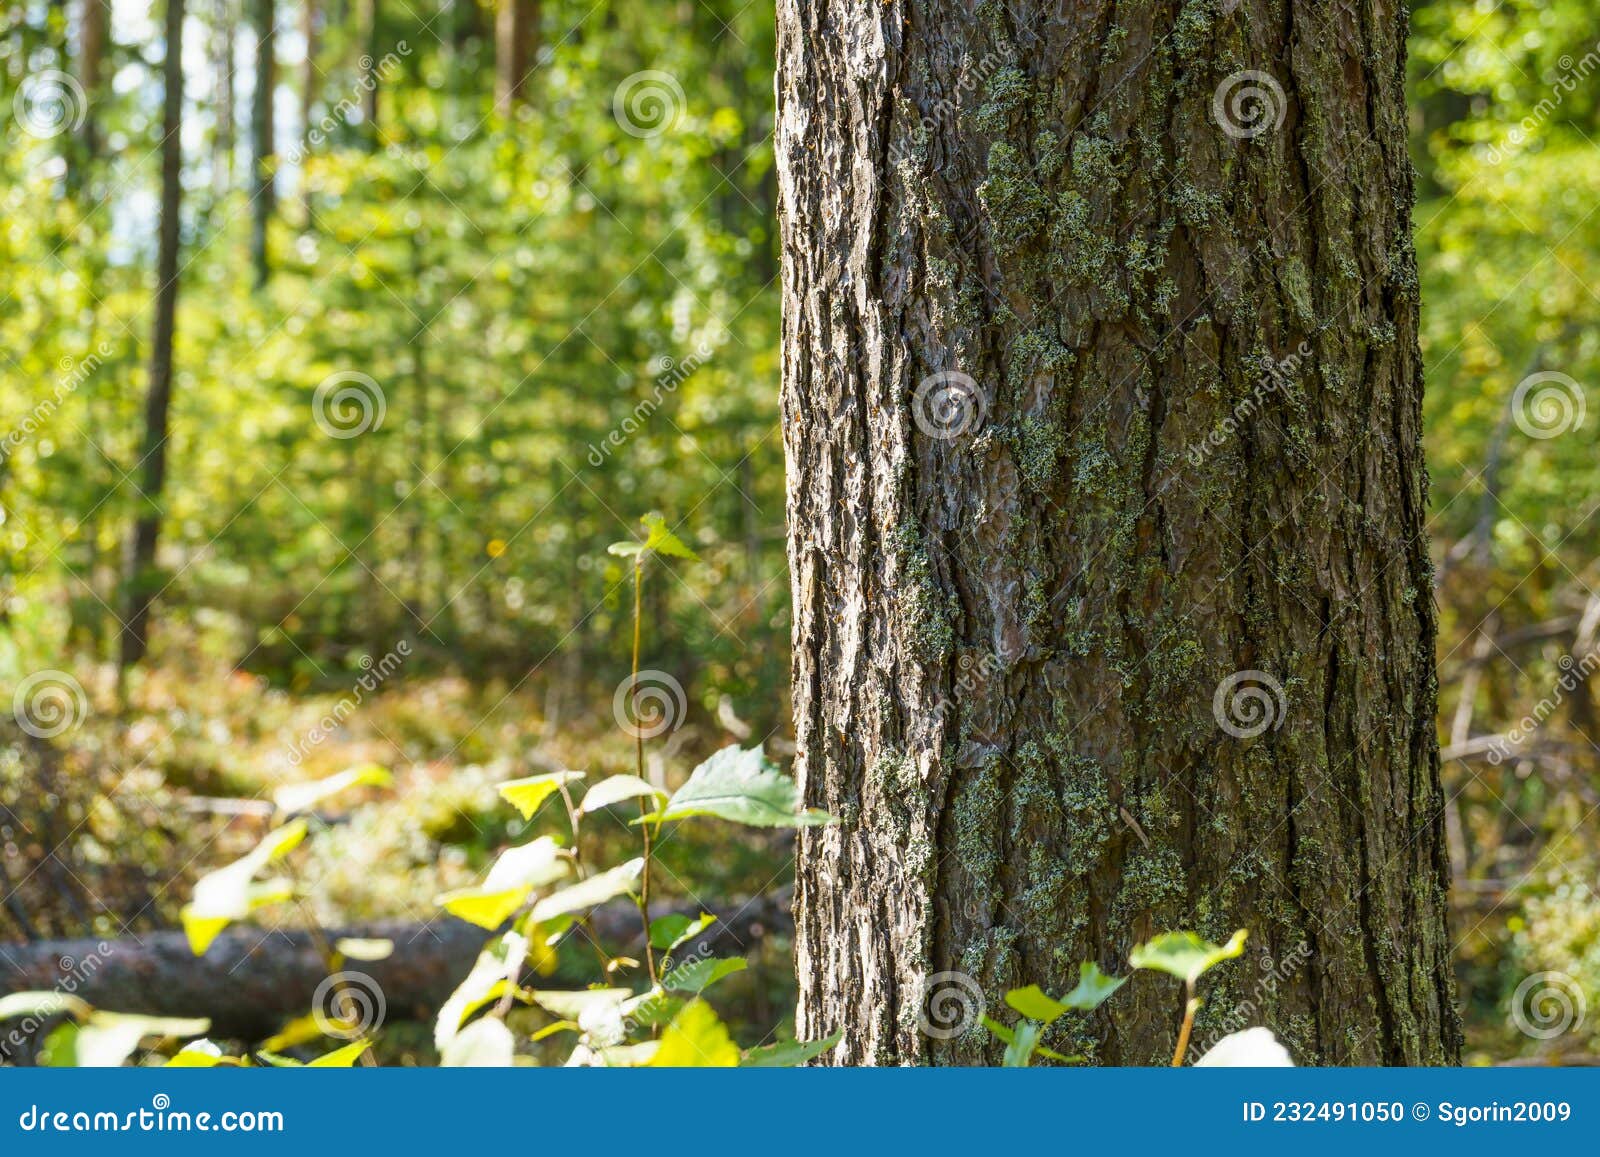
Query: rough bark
[1016, 600]
[94, 27]
[140, 567]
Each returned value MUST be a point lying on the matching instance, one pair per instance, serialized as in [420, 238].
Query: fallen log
[252, 980]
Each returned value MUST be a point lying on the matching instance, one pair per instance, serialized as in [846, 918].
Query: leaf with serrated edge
[1184, 954]
[788, 1054]
[743, 786]
[528, 795]
[588, 893]
[696, 1039]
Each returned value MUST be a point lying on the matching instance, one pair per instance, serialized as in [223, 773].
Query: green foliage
[1186, 955]
[742, 786]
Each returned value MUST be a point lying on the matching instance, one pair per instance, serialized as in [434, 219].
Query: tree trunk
[264, 14]
[140, 570]
[1112, 600]
[310, 83]
[516, 45]
[93, 29]
[368, 19]
[222, 64]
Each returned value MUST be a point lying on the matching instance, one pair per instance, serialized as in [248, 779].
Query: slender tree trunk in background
[1020, 603]
[310, 83]
[516, 42]
[262, 194]
[93, 30]
[140, 571]
[368, 19]
[223, 143]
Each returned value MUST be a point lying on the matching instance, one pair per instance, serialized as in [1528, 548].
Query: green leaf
[201, 1054]
[663, 541]
[588, 893]
[1032, 1003]
[483, 1044]
[745, 787]
[699, 975]
[667, 932]
[528, 795]
[696, 1039]
[43, 1004]
[343, 1058]
[107, 1039]
[615, 790]
[1024, 1040]
[577, 1004]
[1184, 954]
[303, 797]
[788, 1054]
[516, 873]
[230, 893]
[367, 951]
[1093, 988]
[619, 1056]
[497, 966]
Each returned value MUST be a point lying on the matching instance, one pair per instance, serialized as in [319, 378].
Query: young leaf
[230, 893]
[788, 1054]
[513, 878]
[302, 797]
[43, 1004]
[343, 1058]
[368, 951]
[615, 790]
[588, 893]
[699, 975]
[492, 973]
[483, 1044]
[696, 1039]
[667, 932]
[1020, 1049]
[663, 541]
[1093, 988]
[107, 1039]
[528, 795]
[745, 787]
[1032, 1003]
[1184, 954]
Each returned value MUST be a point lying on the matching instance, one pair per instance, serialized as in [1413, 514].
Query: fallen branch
[251, 981]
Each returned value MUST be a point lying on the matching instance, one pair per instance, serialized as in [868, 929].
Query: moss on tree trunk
[1101, 386]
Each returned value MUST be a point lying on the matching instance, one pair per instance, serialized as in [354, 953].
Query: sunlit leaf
[1253, 1048]
[343, 1058]
[696, 1039]
[745, 787]
[617, 789]
[42, 1004]
[699, 975]
[303, 797]
[1184, 954]
[788, 1054]
[668, 932]
[231, 893]
[368, 951]
[588, 893]
[484, 1044]
[107, 1039]
[528, 795]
